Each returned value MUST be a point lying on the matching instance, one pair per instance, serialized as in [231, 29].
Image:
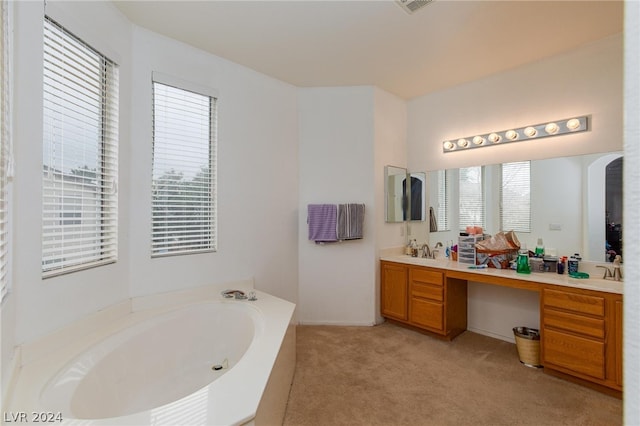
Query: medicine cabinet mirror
[404, 195]
[576, 205]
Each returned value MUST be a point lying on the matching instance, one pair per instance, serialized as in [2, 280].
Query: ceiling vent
[411, 6]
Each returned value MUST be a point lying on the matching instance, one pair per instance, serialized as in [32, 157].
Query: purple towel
[322, 222]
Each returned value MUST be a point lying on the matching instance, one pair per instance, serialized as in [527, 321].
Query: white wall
[583, 81]
[336, 280]
[257, 174]
[390, 148]
[44, 305]
[631, 208]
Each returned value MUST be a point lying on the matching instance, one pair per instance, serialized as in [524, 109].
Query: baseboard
[338, 323]
[487, 333]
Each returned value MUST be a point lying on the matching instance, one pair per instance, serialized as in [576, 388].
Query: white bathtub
[156, 366]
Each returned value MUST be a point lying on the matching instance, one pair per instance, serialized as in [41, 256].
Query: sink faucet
[426, 251]
[607, 272]
[617, 272]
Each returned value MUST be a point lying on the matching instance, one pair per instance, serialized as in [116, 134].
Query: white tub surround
[63, 377]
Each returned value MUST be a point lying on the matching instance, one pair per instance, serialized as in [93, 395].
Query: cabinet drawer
[578, 354]
[427, 314]
[425, 276]
[582, 303]
[593, 327]
[428, 291]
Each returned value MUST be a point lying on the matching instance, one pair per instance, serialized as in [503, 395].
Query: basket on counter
[528, 345]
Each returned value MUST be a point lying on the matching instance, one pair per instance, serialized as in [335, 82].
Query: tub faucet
[235, 294]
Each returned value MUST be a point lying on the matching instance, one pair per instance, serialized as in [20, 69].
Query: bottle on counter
[539, 248]
[573, 264]
[522, 264]
[560, 266]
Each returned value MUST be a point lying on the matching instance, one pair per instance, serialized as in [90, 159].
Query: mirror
[576, 204]
[401, 206]
[394, 189]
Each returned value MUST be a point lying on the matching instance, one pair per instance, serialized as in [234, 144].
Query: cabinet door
[618, 322]
[427, 313]
[394, 283]
[578, 354]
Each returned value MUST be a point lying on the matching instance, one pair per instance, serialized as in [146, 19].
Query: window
[442, 206]
[5, 146]
[80, 154]
[183, 187]
[471, 197]
[515, 197]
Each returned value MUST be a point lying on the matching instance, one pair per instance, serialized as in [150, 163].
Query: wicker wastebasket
[528, 345]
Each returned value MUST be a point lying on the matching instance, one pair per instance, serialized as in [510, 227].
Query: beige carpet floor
[388, 375]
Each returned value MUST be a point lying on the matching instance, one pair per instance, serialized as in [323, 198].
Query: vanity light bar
[543, 130]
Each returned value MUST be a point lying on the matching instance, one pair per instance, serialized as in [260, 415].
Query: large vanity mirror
[575, 203]
[404, 195]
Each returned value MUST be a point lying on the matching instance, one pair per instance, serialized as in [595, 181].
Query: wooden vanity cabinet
[422, 297]
[393, 291]
[579, 334]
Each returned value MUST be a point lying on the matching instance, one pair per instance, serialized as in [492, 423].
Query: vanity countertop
[608, 286]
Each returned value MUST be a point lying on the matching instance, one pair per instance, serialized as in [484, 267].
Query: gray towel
[350, 221]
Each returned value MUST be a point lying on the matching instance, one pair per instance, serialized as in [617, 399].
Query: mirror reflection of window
[515, 197]
[471, 199]
[441, 211]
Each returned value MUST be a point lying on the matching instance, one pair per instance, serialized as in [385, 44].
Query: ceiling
[360, 42]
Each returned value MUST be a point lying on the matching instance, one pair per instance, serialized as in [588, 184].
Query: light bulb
[448, 145]
[478, 140]
[551, 128]
[530, 131]
[463, 143]
[494, 137]
[573, 124]
[511, 135]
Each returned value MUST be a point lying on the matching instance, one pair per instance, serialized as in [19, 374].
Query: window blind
[515, 197]
[80, 154]
[184, 147]
[4, 147]
[442, 209]
[471, 199]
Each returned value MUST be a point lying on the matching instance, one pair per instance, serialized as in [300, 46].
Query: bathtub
[203, 361]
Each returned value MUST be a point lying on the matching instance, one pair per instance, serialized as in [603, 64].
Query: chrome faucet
[607, 272]
[426, 251]
[234, 294]
[617, 271]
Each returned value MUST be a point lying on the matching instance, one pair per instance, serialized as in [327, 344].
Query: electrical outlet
[555, 227]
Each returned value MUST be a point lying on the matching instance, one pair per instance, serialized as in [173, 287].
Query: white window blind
[471, 199]
[515, 197]
[5, 151]
[80, 154]
[442, 208]
[184, 150]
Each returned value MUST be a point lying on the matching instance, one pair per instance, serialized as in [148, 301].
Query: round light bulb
[494, 138]
[511, 135]
[478, 140]
[573, 124]
[463, 143]
[448, 145]
[530, 131]
[551, 128]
